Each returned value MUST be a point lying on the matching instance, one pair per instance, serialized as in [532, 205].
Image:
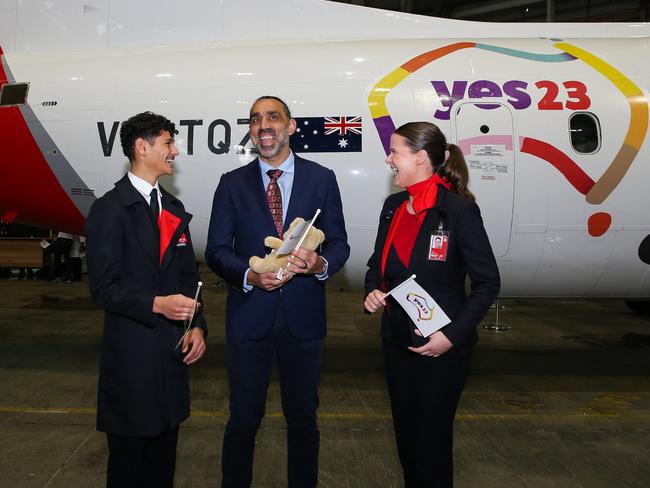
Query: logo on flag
[422, 309]
[425, 312]
[327, 134]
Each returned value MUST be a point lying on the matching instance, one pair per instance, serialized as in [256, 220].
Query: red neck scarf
[424, 195]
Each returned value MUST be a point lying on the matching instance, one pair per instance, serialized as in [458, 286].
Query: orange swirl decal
[596, 192]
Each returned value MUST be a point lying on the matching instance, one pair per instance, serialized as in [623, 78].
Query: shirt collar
[286, 166]
[141, 185]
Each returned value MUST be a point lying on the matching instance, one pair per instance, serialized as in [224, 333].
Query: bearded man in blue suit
[269, 318]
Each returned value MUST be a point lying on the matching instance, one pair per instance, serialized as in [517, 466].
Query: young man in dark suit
[142, 272]
[267, 317]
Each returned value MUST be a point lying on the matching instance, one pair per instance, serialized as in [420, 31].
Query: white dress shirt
[144, 188]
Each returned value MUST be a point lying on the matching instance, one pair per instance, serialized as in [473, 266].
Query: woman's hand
[438, 344]
[375, 300]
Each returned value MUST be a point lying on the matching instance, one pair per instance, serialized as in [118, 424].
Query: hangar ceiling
[520, 10]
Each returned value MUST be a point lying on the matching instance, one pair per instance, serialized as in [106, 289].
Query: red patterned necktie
[274, 198]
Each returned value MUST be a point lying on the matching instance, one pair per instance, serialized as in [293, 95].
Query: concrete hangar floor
[561, 400]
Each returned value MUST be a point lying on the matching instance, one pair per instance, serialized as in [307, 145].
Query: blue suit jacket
[239, 223]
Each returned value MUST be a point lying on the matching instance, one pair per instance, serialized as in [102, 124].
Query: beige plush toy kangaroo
[272, 263]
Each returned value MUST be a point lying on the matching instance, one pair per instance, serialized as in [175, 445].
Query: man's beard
[272, 151]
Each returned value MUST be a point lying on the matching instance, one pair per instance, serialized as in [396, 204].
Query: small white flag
[295, 240]
[423, 310]
[298, 234]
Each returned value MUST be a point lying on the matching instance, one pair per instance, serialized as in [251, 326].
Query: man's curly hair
[147, 125]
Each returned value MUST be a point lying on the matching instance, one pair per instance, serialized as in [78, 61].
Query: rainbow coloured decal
[595, 191]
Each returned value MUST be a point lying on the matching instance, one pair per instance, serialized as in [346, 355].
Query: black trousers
[424, 393]
[141, 462]
[249, 374]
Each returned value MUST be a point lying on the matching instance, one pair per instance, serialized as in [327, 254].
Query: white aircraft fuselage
[564, 218]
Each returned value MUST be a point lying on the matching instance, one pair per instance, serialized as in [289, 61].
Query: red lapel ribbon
[168, 223]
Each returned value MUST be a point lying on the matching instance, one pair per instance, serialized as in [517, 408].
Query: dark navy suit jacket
[469, 254]
[239, 223]
[143, 383]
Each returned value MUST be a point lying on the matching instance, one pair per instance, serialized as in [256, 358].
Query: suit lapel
[389, 214]
[421, 246]
[256, 185]
[142, 222]
[423, 241]
[299, 196]
[173, 224]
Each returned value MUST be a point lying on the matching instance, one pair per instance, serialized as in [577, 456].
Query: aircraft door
[485, 134]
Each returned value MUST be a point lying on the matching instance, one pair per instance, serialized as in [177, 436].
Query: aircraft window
[584, 128]
[13, 94]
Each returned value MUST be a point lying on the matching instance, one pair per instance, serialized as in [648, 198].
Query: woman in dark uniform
[432, 229]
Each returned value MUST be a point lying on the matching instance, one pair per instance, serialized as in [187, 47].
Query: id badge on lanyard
[438, 244]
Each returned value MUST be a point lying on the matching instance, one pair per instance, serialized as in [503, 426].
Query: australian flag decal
[340, 133]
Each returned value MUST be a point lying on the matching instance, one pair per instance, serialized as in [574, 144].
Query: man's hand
[438, 344]
[304, 261]
[174, 307]
[374, 301]
[195, 341]
[267, 281]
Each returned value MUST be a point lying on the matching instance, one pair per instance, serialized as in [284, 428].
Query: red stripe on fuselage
[27, 184]
[563, 163]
